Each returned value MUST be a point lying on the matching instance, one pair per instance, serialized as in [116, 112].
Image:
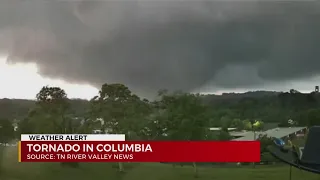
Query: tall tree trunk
[195, 170]
[121, 168]
[1, 160]
[67, 129]
[254, 138]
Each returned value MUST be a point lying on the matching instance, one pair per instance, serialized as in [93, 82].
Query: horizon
[207, 94]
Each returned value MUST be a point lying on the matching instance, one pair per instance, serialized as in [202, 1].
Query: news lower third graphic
[114, 148]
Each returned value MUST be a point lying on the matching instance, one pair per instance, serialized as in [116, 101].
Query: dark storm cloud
[149, 45]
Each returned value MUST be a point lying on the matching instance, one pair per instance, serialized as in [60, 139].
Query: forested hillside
[266, 106]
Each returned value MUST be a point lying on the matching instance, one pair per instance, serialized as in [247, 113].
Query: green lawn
[141, 171]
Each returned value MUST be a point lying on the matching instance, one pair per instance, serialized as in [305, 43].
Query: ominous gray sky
[154, 44]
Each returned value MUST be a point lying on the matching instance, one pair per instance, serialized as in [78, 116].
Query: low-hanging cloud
[150, 45]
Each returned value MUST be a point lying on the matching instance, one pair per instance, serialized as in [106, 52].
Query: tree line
[266, 106]
[171, 116]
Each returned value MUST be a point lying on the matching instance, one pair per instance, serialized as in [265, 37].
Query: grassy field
[140, 171]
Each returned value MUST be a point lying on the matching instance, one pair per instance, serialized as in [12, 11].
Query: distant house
[99, 123]
[220, 128]
[99, 131]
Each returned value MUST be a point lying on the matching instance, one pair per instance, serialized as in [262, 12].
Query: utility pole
[290, 172]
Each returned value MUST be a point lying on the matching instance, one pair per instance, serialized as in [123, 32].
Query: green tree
[255, 126]
[121, 111]
[87, 126]
[265, 141]
[247, 125]
[186, 118]
[226, 122]
[6, 135]
[6, 131]
[26, 126]
[258, 125]
[313, 117]
[51, 114]
[224, 135]
[237, 123]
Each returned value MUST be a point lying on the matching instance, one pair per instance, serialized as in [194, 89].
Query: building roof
[276, 132]
[219, 128]
[247, 136]
[282, 132]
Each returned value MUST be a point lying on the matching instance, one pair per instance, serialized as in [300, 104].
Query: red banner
[139, 151]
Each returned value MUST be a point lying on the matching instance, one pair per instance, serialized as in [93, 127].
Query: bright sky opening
[22, 81]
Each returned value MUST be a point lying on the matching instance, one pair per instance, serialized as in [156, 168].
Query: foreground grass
[141, 171]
